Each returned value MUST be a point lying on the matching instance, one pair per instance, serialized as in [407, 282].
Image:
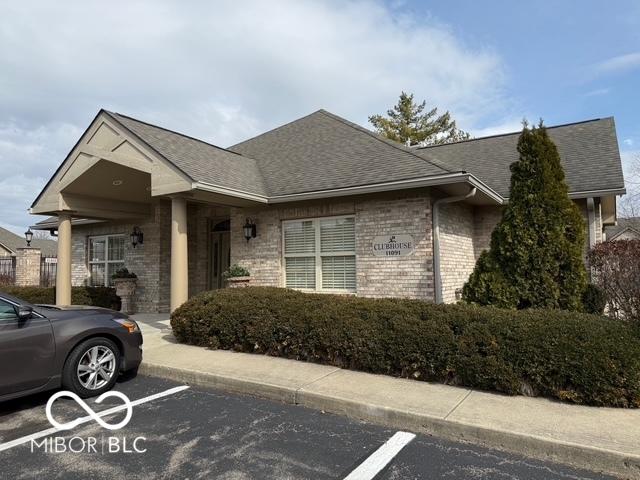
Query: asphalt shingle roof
[588, 151]
[199, 160]
[323, 151]
[12, 241]
[623, 223]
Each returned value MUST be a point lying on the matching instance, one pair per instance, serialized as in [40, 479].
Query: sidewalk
[600, 439]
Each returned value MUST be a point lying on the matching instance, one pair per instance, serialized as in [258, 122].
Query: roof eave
[597, 193]
[429, 181]
[54, 225]
[208, 187]
[433, 180]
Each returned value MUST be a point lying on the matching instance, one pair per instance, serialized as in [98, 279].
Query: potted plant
[237, 276]
[125, 283]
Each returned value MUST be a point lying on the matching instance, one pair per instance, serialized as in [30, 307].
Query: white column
[63, 272]
[179, 253]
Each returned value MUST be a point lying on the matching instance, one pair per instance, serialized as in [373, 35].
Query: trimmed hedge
[97, 296]
[575, 357]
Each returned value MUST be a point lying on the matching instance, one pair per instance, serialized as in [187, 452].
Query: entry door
[220, 258]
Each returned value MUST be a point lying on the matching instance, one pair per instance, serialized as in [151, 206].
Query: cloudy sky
[224, 71]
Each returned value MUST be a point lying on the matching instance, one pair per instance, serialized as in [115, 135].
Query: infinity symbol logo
[95, 416]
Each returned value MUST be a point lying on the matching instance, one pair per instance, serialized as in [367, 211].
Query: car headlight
[130, 325]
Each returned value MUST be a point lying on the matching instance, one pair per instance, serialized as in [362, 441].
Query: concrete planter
[126, 289]
[237, 282]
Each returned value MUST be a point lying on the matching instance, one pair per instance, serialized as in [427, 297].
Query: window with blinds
[319, 254]
[105, 257]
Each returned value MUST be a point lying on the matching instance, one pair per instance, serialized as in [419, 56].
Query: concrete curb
[580, 456]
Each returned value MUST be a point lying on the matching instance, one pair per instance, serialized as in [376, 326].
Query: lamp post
[28, 235]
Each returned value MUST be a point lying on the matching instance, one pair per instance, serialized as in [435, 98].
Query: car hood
[70, 311]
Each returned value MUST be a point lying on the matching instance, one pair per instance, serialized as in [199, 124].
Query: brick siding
[409, 276]
[465, 231]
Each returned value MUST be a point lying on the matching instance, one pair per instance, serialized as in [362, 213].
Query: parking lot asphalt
[198, 433]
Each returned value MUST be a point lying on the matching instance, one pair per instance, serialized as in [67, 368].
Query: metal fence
[48, 268]
[7, 270]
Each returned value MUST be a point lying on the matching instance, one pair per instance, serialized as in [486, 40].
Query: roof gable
[105, 139]
[201, 161]
[588, 152]
[323, 151]
[631, 224]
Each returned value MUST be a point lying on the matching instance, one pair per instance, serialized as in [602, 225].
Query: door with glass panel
[220, 253]
[106, 256]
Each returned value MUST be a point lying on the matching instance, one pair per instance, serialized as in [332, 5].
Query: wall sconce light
[28, 235]
[249, 229]
[137, 237]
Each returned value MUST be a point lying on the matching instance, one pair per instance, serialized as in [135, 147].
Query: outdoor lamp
[249, 229]
[137, 238]
[28, 235]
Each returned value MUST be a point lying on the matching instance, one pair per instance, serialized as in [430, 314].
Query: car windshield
[13, 299]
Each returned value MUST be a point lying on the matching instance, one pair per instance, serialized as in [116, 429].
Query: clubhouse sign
[393, 245]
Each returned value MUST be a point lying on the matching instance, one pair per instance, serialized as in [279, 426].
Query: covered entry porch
[112, 186]
[196, 234]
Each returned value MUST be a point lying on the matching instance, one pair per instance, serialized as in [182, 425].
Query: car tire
[89, 365]
[129, 374]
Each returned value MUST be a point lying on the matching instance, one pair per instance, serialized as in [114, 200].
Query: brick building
[327, 205]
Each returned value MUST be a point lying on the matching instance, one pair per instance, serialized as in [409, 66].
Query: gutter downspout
[591, 216]
[436, 238]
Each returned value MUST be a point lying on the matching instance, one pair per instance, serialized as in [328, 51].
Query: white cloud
[619, 63]
[628, 142]
[598, 92]
[219, 71]
[506, 126]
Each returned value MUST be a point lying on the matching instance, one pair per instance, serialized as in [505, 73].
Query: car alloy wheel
[96, 367]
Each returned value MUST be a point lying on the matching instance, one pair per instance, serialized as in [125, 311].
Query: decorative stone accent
[237, 282]
[28, 267]
[126, 289]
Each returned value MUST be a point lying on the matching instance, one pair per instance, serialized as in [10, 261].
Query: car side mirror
[24, 312]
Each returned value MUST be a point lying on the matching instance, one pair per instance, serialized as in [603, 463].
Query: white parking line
[381, 457]
[81, 420]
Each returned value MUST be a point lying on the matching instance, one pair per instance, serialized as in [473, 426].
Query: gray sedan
[82, 349]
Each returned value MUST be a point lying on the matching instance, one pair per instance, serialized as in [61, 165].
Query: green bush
[567, 355]
[97, 296]
[236, 270]
[535, 259]
[594, 299]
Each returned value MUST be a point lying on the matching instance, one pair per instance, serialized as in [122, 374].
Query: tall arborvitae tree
[536, 255]
[406, 123]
